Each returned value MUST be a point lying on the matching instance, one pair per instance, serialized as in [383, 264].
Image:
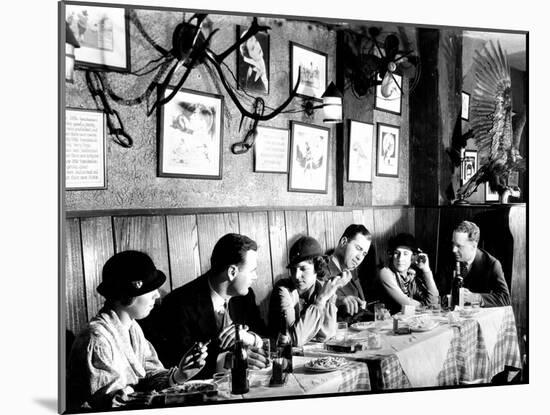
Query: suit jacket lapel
[206, 319]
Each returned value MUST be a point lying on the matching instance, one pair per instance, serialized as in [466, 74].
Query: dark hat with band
[303, 249]
[129, 273]
[403, 239]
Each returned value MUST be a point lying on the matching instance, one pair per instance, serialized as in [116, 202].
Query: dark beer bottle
[239, 367]
[457, 291]
[284, 345]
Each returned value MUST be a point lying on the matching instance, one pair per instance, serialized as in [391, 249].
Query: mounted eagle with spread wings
[496, 137]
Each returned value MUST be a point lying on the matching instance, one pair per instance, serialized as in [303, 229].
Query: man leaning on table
[205, 309]
[483, 276]
[351, 250]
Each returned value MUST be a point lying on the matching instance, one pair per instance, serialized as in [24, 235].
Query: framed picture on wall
[85, 155]
[253, 62]
[490, 196]
[190, 131]
[469, 165]
[312, 67]
[360, 151]
[465, 112]
[387, 150]
[308, 158]
[388, 97]
[271, 150]
[103, 35]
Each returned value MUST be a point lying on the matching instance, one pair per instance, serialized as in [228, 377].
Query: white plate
[362, 325]
[427, 328]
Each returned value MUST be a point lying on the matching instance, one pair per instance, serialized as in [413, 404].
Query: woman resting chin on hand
[111, 358]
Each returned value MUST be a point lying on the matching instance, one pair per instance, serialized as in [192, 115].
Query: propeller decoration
[496, 136]
[370, 62]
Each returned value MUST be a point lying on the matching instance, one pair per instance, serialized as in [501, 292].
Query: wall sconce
[70, 44]
[332, 105]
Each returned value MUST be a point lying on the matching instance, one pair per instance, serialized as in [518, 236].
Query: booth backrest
[181, 244]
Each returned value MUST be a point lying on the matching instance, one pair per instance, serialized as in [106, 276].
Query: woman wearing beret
[408, 279]
[303, 305]
[111, 358]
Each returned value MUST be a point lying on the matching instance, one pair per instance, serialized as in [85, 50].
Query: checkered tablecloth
[467, 358]
[355, 377]
[474, 360]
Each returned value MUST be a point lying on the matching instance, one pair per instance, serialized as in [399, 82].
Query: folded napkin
[490, 323]
[422, 359]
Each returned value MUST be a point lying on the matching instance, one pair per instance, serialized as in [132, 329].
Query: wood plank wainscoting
[180, 241]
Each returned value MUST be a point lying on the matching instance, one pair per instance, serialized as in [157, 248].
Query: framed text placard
[84, 150]
[271, 150]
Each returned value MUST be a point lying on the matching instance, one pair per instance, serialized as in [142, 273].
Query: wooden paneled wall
[181, 244]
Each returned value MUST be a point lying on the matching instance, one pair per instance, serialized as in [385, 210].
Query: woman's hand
[423, 262]
[329, 289]
[191, 363]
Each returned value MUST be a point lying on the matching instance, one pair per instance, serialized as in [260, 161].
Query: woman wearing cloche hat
[303, 305]
[111, 358]
[407, 279]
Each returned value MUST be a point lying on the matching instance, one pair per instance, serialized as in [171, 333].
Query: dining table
[471, 349]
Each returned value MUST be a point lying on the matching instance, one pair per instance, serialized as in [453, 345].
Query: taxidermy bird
[497, 139]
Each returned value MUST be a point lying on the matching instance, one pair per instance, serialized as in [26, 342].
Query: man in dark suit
[350, 252]
[483, 276]
[206, 308]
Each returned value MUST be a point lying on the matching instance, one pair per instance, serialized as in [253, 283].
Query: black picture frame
[103, 34]
[313, 81]
[387, 150]
[249, 66]
[202, 156]
[309, 146]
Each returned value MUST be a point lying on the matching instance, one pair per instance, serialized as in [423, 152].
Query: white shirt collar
[217, 300]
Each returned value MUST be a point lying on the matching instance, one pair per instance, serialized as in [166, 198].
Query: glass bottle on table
[284, 345]
[239, 367]
[457, 290]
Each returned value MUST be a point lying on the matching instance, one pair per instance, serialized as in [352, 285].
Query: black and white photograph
[360, 151]
[253, 62]
[310, 67]
[287, 274]
[101, 34]
[190, 135]
[309, 146]
[469, 165]
[387, 150]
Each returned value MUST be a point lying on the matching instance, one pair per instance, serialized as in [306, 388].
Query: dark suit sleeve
[176, 338]
[253, 317]
[499, 294]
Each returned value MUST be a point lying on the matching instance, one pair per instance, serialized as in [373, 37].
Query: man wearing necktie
[483, 276]
[351, 250]
[206, 308]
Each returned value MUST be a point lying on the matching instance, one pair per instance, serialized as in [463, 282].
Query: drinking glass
[223, 382]
[379, 315]
[341, 331]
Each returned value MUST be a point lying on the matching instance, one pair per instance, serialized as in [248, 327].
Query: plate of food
[326, 364]
[422, 323]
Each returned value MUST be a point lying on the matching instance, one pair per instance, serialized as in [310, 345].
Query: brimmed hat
[303, 249]
[403, 239]
[129, 273]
